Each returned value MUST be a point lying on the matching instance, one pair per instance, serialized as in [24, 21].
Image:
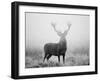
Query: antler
[58, 32]
[66, 31]
[53, 24]
[69, 25]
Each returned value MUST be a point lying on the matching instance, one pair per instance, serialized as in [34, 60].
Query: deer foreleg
[64, 58]
[59, 58]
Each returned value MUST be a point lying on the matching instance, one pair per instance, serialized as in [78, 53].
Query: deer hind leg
[45, 57]
[48, 57]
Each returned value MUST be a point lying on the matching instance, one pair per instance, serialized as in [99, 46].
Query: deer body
[56, 49]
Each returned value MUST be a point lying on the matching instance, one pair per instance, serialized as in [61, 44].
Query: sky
[39, 30]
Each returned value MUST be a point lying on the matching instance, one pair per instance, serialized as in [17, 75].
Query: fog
[39, 30]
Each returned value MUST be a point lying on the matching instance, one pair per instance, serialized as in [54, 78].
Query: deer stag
[57, 49]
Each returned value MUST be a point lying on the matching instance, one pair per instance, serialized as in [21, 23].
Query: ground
[35, 60]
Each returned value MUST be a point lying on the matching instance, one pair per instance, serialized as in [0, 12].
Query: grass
[34, 59]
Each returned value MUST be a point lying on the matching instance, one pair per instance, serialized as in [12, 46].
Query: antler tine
[53, 24]
[69, 24]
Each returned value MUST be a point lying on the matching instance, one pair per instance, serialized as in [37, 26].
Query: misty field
[67, 30]
[34, 59]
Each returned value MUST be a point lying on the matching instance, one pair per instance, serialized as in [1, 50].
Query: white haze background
[39, 30]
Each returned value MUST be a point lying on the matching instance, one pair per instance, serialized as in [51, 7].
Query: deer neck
[62, 41]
